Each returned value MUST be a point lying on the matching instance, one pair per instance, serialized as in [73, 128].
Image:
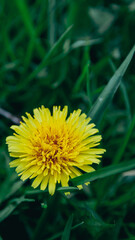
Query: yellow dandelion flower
[53, 148]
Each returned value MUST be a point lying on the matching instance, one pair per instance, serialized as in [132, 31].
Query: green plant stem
[40, 224]
[121, 150]
[51, 26]
[49, 55]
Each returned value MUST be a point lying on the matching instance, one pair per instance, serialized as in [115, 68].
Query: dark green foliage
[65, 53]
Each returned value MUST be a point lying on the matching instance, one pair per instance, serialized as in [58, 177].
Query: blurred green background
[64, 53]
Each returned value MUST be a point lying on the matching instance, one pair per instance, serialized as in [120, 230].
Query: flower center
[52, 149]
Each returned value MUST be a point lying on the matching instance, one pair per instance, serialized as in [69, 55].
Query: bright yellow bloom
[54, 148]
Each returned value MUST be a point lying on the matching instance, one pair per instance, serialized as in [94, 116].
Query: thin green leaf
[49, 55]
[100, 65]
[60, 189]
[67, 229]
[126, 99]
[26, 18]
[7, 191]
[68, 49]
[104, 172]
[8, 45]
[24, 12]
[124, 92]
[67, 189]
[6, 186]
[57, 235]
[81, 78]
[125, 142]
[51, 21]
[123, 199]
[106, 96]
[4, 213]
[88, 88]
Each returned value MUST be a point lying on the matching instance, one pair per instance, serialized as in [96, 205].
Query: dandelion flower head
[52, 148]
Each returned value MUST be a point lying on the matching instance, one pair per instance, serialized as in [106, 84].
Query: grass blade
[107, 94]
[57, 235]
[67, 229]
[49, 55]
[126, 100]
[51, 27]
[24, 12]
[60, 189]
[31, 30]
[8, 190]
[125, 142]
[4, 213]
[122, 199]
[124, 92]
[81, 78]
[67, 189]
[104, 172]
[7, 211]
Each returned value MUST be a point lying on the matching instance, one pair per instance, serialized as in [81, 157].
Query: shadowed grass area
[65, 53]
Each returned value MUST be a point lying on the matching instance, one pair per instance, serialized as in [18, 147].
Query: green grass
[65, 53]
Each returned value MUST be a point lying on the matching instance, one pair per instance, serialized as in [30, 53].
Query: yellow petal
[37, 181]
[87, 168]
[26, 174]
[14, 163]
[64, 179]
[44, 183]
[52, 185]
